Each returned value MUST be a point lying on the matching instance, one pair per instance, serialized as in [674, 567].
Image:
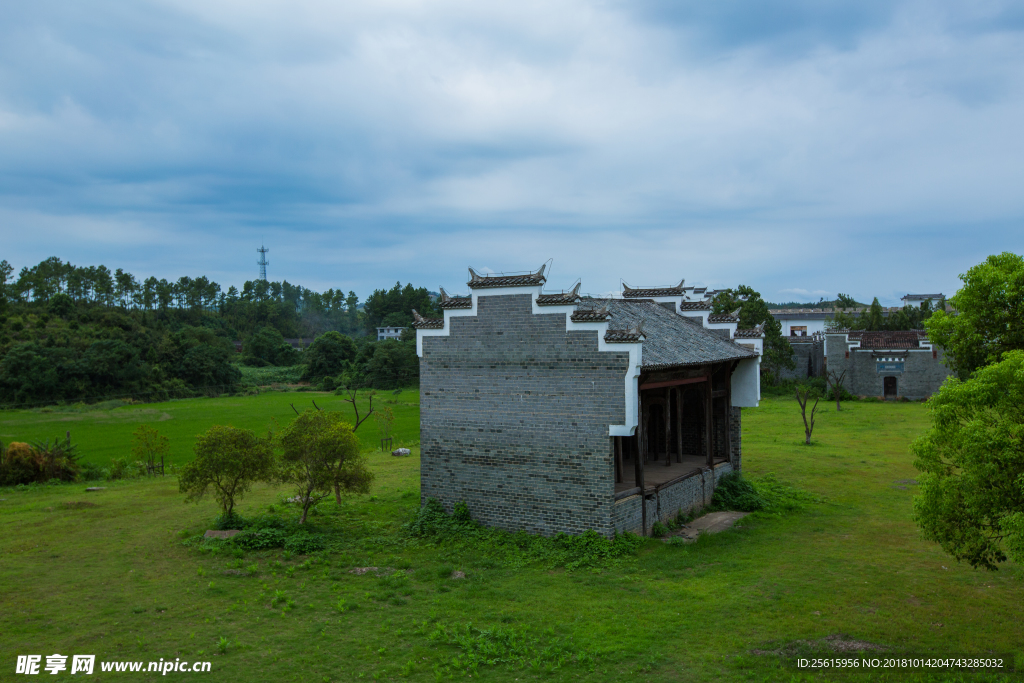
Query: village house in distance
[554, 412]
[890, 364]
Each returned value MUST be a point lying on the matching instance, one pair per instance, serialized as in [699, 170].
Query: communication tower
[263, 263]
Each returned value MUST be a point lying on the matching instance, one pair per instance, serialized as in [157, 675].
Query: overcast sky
[803, 147]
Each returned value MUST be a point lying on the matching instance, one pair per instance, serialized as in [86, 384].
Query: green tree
[778, 354]
[394, 306]
[873, 319]
[329, 354]
[988, 316]
[321, 453]
[148, 444]
[262, 348]
[229, 461]
[845, 301]
[972, 489]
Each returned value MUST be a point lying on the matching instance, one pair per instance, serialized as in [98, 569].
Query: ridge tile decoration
[643, 292]
[560, 298]
[695, 306]
[477, 281]
[446, 302]
[421, 323]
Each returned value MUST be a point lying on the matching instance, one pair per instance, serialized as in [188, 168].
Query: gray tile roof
[631, 293]
[695, 306]
[669, 339]
[421, 323]
[560, 298]
[451, 302]
[477, 281]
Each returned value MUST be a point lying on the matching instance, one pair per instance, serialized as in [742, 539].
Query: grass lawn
[104, 431]
[114, 579]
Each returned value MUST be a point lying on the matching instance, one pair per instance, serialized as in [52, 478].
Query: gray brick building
[888, 364]
[560, 413]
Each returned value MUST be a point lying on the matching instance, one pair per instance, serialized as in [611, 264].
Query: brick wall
[689, 495]
[921, 377]
[514, 415]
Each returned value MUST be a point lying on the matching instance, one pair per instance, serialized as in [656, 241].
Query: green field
[102, 432]
[114, 579]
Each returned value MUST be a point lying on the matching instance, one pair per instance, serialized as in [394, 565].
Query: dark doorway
[889, 387]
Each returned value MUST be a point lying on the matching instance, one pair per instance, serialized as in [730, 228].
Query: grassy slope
[105, 434]
[854, 565]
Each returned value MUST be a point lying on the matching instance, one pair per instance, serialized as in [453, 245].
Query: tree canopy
[321, 452]
[972, 489]
[229, 461]
[778, 354]
[393, 307]
[988, 316]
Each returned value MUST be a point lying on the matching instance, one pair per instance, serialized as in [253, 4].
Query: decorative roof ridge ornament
[416, 316]
[736, 313]
[444, 294]
[634, 292]
[531, 279]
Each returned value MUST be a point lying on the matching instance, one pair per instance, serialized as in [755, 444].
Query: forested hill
[70, 333]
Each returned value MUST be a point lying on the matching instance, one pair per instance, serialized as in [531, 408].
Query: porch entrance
[684, 426]
[889, 388]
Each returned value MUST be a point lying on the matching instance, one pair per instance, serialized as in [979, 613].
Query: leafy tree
[778, 353]
[845, 301]
[989, 315]
[395, 306]
[229, 461]
[321, 452]
[62, 305]
[329, 354]
[262, 348]
[148, 444]
[874, 318]
[972, 490]
[206, 366]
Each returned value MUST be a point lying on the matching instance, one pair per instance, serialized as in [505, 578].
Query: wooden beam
[673, 382]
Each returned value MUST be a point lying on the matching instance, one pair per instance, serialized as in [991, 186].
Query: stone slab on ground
[401, 452]
[222, 533]
[97, 488]
[711, 523]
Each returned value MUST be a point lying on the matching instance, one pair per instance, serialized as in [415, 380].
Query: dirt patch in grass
[837, 642]
[77, 504]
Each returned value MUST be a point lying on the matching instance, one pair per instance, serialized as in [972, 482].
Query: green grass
[114, 580]
[102, 432]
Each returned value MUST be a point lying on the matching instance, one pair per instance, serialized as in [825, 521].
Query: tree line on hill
[70, 333]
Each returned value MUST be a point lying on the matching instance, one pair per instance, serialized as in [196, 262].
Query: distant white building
[917, 300]
[389, 333]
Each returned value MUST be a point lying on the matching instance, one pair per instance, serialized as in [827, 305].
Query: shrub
[733, 492]
[18, 465]
[658, 530]
[304, 544]
[260, 539]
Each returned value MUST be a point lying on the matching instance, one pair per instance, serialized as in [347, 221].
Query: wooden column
[617, 447]
[709, 424]
[640, 463]
[728, 416]
[666, 414]
[679, 424]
